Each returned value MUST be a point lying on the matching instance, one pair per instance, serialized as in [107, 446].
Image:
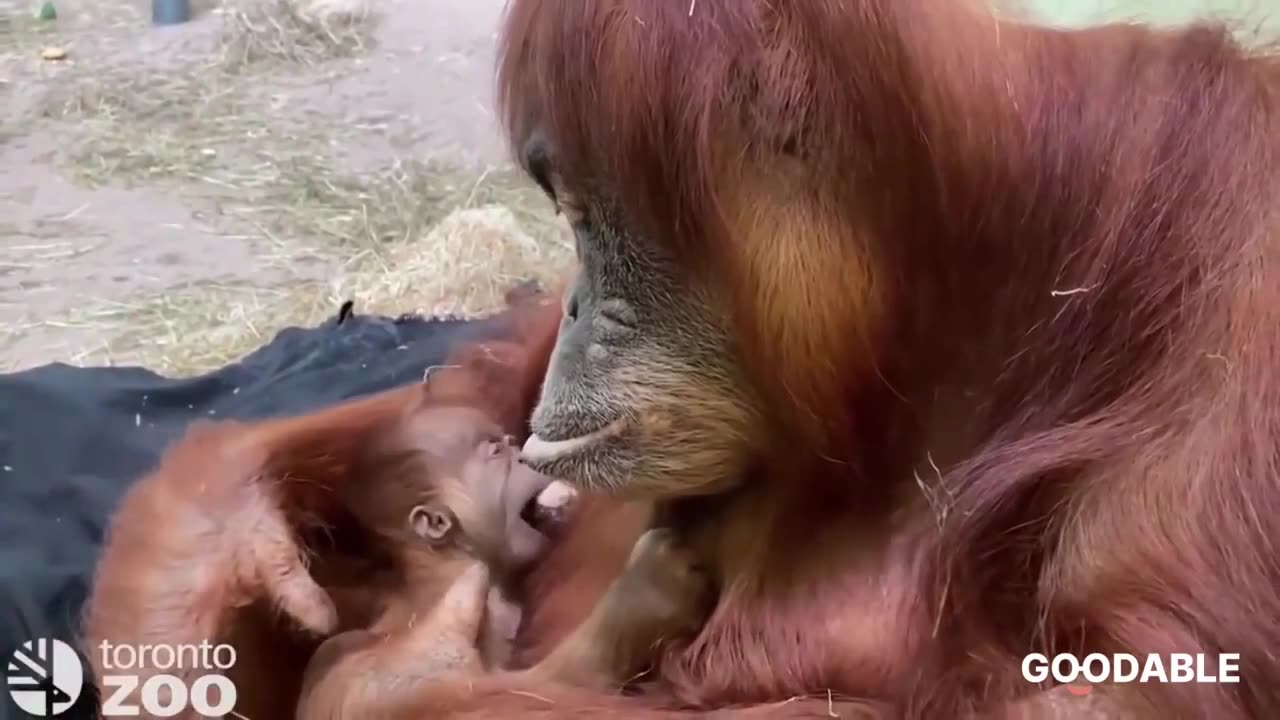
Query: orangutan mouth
[539, 452]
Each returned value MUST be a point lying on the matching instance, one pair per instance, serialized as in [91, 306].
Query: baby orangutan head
[447, 485]
[434, 492]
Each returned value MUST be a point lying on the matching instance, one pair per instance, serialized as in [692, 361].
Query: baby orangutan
[356, 555]
[397, 515]
[457, 509]
[449, 503]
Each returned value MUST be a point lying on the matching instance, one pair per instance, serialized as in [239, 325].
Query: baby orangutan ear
[432, 524]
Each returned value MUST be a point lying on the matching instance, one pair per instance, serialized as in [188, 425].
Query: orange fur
[1044, 416]
[1008, 291]
[188, 547]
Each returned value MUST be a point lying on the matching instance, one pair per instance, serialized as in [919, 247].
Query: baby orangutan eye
[431, 524]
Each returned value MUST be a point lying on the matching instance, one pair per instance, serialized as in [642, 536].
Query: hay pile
[296, 32]
[462, 266]
[414, 236]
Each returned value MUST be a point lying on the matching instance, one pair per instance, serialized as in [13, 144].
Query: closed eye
[537, 162]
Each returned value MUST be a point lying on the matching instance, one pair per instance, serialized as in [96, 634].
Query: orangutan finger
[285, 579]
[553, 504]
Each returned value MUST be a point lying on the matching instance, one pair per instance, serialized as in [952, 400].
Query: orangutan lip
[537, 451]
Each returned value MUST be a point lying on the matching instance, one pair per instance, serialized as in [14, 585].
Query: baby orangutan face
[449, 484]
[440, 491]
[477, 497]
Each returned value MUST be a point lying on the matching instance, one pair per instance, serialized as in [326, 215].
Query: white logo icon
[45, 677]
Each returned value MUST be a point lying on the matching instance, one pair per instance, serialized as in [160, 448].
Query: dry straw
[410, 237]
[297, 33]
[461, 267]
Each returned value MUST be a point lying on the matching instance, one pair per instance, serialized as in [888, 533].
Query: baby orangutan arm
[192, 546]
[369, 673]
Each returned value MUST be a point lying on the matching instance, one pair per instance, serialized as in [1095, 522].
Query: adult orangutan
[941, 339]
[937, 339]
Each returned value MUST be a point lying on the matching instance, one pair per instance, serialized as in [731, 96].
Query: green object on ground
[47, 12]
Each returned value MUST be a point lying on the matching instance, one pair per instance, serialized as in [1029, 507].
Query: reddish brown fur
[1108, 191]
[1078, 226]
[503, 376]
[164, 572]
[576, 572]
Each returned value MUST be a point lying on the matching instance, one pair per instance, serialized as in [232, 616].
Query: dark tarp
[71, 439]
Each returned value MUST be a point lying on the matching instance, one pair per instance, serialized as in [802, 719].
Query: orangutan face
[644, 396]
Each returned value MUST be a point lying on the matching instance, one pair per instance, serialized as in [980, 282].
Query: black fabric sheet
[72, 439]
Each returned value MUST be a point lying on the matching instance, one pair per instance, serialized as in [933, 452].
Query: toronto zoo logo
[45, 677]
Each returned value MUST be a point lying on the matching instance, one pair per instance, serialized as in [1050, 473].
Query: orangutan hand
[382, 671]
[661, 595]
[215, 511]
